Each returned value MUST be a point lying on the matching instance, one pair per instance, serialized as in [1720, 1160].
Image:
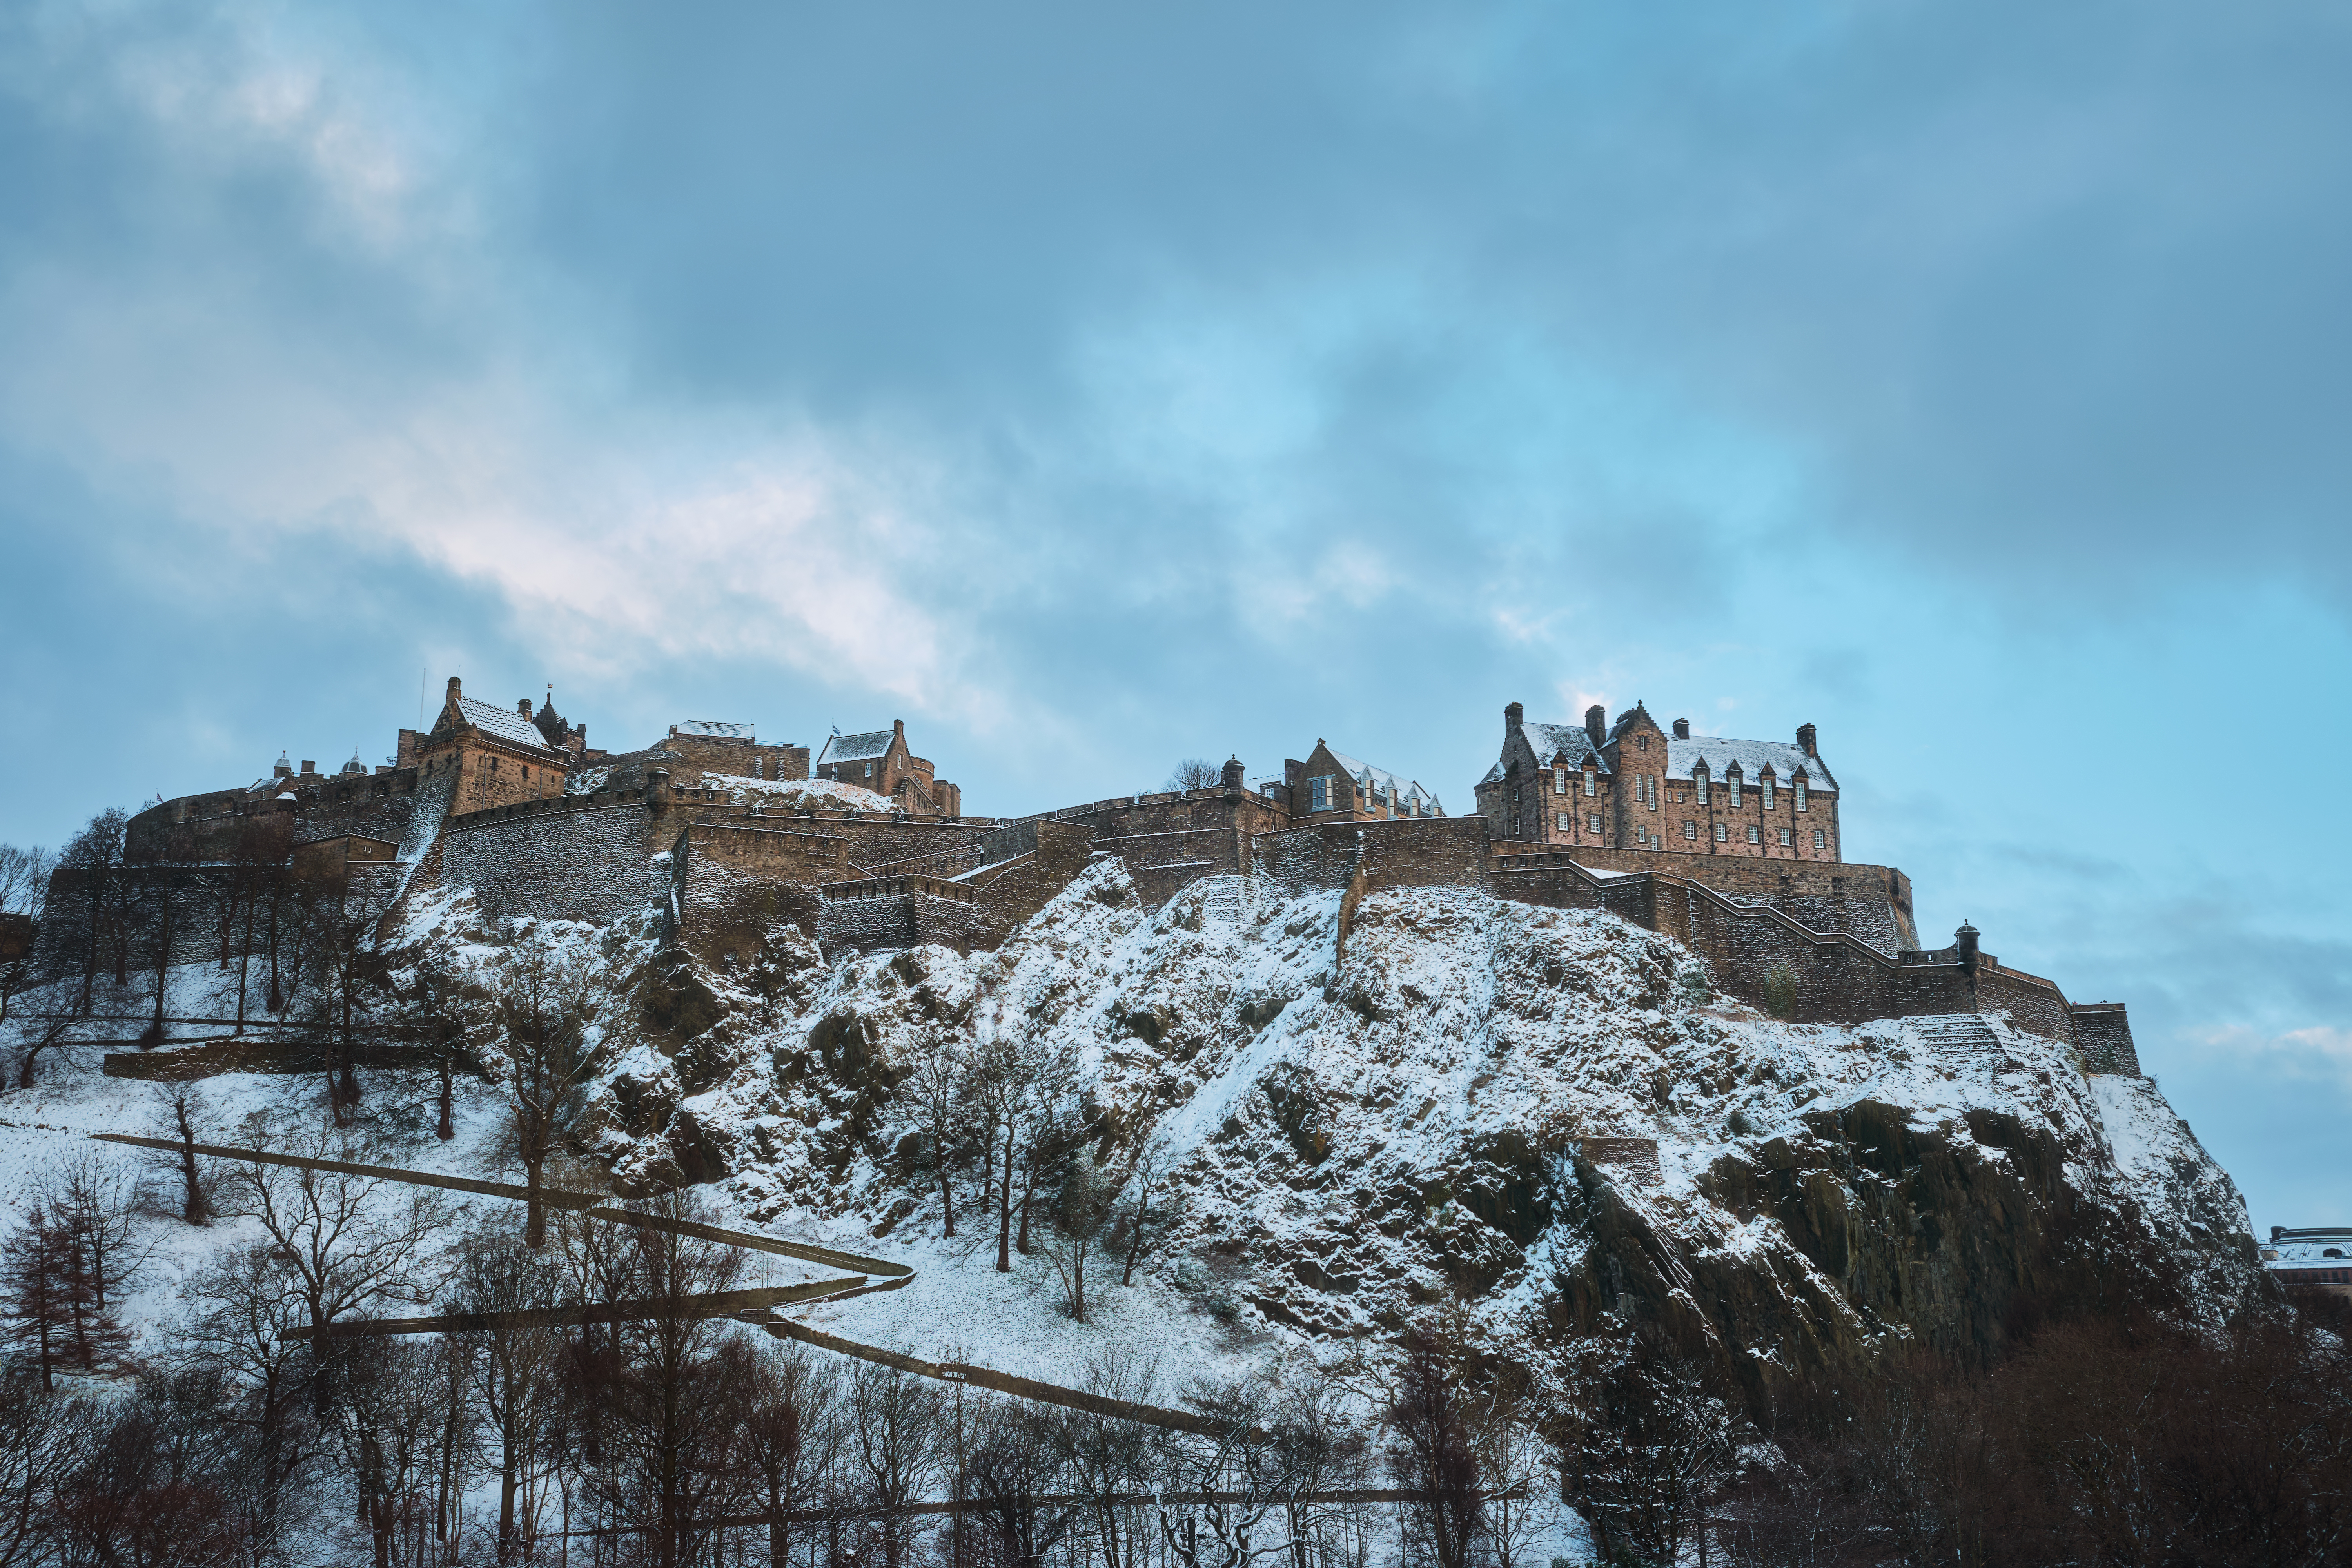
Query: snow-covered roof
[504, 723]
[855, 748]
[1573, 740]
[1784, 758]
[1382, 781]
[715, 730]
[2325, 1245]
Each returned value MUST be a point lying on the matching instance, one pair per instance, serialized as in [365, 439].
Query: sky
[1095, 386]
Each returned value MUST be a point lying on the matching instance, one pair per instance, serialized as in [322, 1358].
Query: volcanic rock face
[1430, 1100]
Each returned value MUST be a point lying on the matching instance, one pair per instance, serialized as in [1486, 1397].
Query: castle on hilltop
[1731, 847]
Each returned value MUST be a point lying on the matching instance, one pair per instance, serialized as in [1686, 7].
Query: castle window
[1641, 742]
[1319, 792]
[1690, 828]
[1559, 781]
[1785, 837]
[1723, 833]
[1821, 839]
[1561, 826]
[1592, 780]
[1755, 834]
[1800, 792]
[1592, 822]
[1698, 776]
[1767, 792]
[1733, 782]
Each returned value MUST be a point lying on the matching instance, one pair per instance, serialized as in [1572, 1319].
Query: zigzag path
[743, 1304]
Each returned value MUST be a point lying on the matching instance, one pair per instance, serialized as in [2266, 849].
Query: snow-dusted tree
[542, 1005]
[1645, 1448]
[1246, 1493]
[96, 856]
[1025, 1088]
[440, 1008]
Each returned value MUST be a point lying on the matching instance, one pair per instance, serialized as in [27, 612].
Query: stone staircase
[1955, 1036]
[1226, 900]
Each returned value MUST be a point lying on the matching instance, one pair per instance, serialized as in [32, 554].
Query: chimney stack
[1682, 729]
[456, 690]
[1805, 739]
[898, 728]
[523, 707]
[1596, 724]
[1512, 714]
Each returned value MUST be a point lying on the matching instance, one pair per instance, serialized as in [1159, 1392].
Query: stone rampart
[1873, 903]
[581, 862]
[2103, 1033]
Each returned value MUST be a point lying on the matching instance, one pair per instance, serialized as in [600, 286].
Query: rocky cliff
[1435, 1095]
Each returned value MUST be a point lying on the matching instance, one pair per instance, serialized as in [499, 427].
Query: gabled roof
[1380, 779]
[1572, 740]
[854, 748]
[504, 723]
[1784, 758]
[715, 730]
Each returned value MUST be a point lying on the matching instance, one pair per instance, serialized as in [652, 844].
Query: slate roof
[715, 730]
[1383, 781]
[1784, 758]
[504, 723]
[855, 748]
[1551, 739]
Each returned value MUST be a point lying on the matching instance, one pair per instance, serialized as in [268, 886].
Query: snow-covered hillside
[1364, 1129]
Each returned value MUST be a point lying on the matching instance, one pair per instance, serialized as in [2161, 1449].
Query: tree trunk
[947, 1193]
[194, 1209]
[1078, 1280]
[447, 1129]
[534, 1225]
[1004, 1209]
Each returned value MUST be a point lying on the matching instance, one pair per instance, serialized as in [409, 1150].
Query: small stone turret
[658, 795]
[1965, 941]
[1233, 777]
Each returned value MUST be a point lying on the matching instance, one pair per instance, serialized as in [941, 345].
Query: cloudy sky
[1094, 386]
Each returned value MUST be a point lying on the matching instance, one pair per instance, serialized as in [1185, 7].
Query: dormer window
[1592, 780]
[1732, 778]
[1799, 782]
[1698, 776]
[1767, 789]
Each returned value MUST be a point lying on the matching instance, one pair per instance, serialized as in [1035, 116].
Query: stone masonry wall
[1873, 903]
[2103, 1035]
[581, 863]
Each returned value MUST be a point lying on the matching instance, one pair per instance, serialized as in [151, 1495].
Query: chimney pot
[1682, 729]
[523, 707]
[1805, 738]
[309, 765]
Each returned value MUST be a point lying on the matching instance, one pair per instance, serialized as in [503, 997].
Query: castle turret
[1235, 774]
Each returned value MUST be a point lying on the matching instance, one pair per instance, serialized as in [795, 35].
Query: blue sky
[1094, 386]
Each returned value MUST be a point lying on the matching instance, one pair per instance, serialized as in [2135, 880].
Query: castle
[1732, 846]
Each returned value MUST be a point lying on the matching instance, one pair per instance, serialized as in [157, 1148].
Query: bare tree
[1108, 1460]
[181, 1109]
[894, 1448]
[36, 1269]
[1645, 1448]
[791, 1434]
[440, 1009]
[43, 1438]
[97, 1202]
[1081, 1210]
[56, 1032]
[1027, 1089]
[391, 1403]
[96, 854]
[1144, 1215]
[514, 1370]
[1195, 773]
[246, 1303]
[542, 1003]
[1434, 1456]
[1013, 1472]
[940, 1090]
[1224, 1501]
[24, 892]
[348, 1242]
